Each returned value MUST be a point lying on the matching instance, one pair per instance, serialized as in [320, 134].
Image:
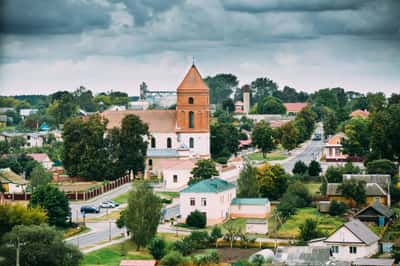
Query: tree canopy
[262, 137]
[204, 169]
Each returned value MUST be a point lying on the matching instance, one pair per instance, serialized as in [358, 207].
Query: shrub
[383, 166]
[183, 246]
[173, 258]
[157, 248]
[222, 160]
[196, 219]
[334, 174]
[300, 168]
[258, 260]
[199, 239]
[215, 234]
[337, 208]
[309, 230]
[314, 169]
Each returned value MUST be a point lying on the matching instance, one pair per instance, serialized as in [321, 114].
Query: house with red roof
[359, 113]
[333, 149]
[43, 159]
[239, 107]
[294, 108]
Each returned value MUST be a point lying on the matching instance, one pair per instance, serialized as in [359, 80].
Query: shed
[250, 208]
[256, 226]
[376, 213]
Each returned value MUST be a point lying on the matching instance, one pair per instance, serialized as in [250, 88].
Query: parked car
[106, 204]
[116, 204]
[89, 209]
[317, 136]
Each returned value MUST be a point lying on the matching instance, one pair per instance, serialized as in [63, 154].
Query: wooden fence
[77, 195]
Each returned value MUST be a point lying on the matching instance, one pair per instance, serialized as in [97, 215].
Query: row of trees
[87, 153]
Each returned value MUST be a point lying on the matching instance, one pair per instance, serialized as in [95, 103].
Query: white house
[27, 112]
[333, 149]
[43, 159]
[250, 208]
[211, 196]
[176, 173]
[351, 241]
[11, 182]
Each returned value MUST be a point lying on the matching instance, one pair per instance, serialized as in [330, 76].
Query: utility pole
[18, 247]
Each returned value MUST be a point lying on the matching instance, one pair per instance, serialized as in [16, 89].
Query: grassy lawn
[112, 215]
[112, 255]
[313, 188]
[273, 156]
[239, 223]
[168, 194]
[290, 229]
[123, 198]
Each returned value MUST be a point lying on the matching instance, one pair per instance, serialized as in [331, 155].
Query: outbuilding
[250, 208]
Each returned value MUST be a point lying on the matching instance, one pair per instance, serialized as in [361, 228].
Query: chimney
[246, 99]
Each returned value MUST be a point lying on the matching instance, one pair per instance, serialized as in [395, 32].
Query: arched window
[191, 119]
[153, 142]
[191, 143]
[169, 143]
[191, 100]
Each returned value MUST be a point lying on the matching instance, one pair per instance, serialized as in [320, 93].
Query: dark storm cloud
[258, 6]
[52, 16]
[145, 10]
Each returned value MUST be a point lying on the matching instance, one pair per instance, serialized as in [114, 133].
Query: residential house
[33, 139]
[373, 262]
[333, 149]
[43, 159]
[11, 182]
[176, 173]
[351, 241]
[294, 108]
[211, 196]
[376, 213]
[383, 182]
[3, 121]
[27, 112]
[359, 113]
[250, 208]
[256, 226]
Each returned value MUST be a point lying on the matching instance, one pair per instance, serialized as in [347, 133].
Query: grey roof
[373, 262]
[3, 118]
[361, 231]
[371, 189]
[380, 208]
[382, 180]
[307, 255]
[162, 153]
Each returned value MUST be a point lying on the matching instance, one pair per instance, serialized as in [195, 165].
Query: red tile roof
[39, 157]
[193, 81]
[294, 107]
[138, 263]
[359, 112]
[177, 164]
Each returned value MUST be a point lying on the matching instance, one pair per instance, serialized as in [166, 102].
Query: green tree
[296, 196]
[12, 215]
[63, 107]
[204, 169]
[354, 190]
[272, 181]
[216, 233]
[16, 143]
[314, 169]
[157, 248]
[221, 87]
[330, 123]
[228, 105]
[270, 105]
[224, 139]
[4, 147]
[39, 177]
[173, 258]
[54, 201]
[300, 168]
[289, 137]
[262, 137]
[247, 182]
[262, 87]
[383, 166]
[84, 98]
[196, 219]
[376, 101]
[334, 174]
[38, 245]
[357, 139]
[309, 230]
[337, 208]
[142, 214]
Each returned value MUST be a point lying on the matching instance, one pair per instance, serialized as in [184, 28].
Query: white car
[107, 205]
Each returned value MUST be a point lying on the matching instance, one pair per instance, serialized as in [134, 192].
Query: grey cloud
[259, 6]
[52, 16]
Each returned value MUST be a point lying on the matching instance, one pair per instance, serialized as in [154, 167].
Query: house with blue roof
[212, 197]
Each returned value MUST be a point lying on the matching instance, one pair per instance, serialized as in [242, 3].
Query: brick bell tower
[193, 104]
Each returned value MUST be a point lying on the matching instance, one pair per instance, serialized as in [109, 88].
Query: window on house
[191, 143]
[150, 162]
[192, 202]
[203, 202]
[335, 249]
[353, 250]
[169, 143]
[153, 142]
[191, 100]
[191, 119]
[175, 178]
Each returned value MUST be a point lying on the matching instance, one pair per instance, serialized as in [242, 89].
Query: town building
[293, 109]
[27, 112]
[211, 196]
[250, 208]
[11, 182]
[359, 113]
[176, 173]
[376, 213]
[333, 149]
[239, 107]
[43, 159]
[351, 241]
[257, 226]
[175, 134]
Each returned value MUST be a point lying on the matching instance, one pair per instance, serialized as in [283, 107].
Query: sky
[50, 45]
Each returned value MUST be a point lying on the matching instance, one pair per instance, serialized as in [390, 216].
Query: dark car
[89, 209]
[317, 136]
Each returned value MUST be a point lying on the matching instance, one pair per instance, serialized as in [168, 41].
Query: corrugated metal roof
[212, 185]
[380, 208]
[250, 201]
[373, 262]
[361, 231]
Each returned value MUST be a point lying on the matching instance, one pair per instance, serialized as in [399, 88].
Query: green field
[313, 188]
[123, 198]
[290, 229]
[274, 156]
[168, 194]
[112, 255]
